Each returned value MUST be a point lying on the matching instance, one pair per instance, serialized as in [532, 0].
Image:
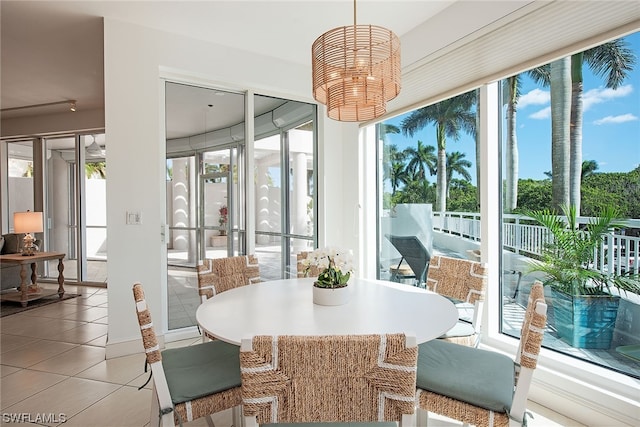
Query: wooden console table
[23, 295]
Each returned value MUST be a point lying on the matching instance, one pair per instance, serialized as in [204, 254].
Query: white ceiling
[52, 50]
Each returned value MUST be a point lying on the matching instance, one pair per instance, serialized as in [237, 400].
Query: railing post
[611, 254]
[518, 236]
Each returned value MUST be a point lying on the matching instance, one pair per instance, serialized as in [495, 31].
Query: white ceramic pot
[331, 296]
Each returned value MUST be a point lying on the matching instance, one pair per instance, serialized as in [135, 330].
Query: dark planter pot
[585, 321]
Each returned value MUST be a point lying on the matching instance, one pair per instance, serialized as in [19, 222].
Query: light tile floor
[53, 369]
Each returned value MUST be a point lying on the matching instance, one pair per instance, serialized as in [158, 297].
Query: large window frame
[568, 379]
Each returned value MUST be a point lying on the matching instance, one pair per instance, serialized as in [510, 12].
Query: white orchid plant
[334, 264]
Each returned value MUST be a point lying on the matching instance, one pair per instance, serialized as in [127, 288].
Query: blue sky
[611, 125]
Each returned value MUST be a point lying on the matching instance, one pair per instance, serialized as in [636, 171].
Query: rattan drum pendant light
[356, 70]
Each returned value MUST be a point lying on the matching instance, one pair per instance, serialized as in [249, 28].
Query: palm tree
[450, 117]
[387, 128]
[612, 60]
[421, 159]
[457, 163]
[588, 168]
[95, 170]
[560, 78]
[511, 91]
[393, 166]
[397, 175]
[511, 95]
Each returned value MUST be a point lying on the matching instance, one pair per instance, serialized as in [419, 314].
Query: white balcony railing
[523, 237]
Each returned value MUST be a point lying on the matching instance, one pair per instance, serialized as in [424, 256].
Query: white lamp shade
[27, 222]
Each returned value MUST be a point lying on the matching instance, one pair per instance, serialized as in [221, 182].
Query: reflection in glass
[284, 156]
[207, 207]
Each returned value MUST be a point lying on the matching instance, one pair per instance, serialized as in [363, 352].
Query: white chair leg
[168, 420]
[422, 417]
[250, 421]
[237, 419]
[154, 417]
[408, 420]
[210, 422]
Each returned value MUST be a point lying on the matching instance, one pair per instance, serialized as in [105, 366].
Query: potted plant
[222, 220]
[335, 267]
[584, 307]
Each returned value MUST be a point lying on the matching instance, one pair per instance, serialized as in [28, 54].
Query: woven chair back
[461, 279]
[302, 270]
[149, 339]
[532, 328]
[363, 378]
[221, 274]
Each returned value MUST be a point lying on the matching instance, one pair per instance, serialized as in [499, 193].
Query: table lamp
[28, 222]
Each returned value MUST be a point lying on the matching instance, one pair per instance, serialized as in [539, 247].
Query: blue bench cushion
[200, 370]
[482, 378]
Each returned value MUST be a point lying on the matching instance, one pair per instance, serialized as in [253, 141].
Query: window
[586, 155]
[608, 174]
[428, 186]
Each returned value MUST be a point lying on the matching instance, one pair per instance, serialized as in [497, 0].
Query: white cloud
[623, 118]
[600, 95]
[534, 97]
[545, 113]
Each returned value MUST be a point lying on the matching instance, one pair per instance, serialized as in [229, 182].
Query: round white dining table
[285, 307]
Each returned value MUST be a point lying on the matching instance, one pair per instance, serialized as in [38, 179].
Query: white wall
[136, 59]
[338, 178]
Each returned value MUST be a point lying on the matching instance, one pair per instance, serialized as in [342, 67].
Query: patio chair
[221, 274]
[188, 382]
[313, 270]
[335, 379]
[481, 387]
[464, 282]
[414, 253]
[476, 255]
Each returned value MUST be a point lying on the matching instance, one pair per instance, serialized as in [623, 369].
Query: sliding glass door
[205, 188]
[65, 178]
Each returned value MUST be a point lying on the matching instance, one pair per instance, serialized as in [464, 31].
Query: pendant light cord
[354, 13]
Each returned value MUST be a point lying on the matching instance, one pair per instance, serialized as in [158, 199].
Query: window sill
[582, 391]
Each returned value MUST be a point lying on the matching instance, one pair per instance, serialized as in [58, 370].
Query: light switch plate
[134, 218]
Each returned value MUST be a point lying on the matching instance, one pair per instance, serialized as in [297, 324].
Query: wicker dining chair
[303, 270]
[481, 387]
[464, 282]
[221, 274]
[189, 382]
[335, 379]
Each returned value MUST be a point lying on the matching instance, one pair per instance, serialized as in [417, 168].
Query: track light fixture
[70, 102]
